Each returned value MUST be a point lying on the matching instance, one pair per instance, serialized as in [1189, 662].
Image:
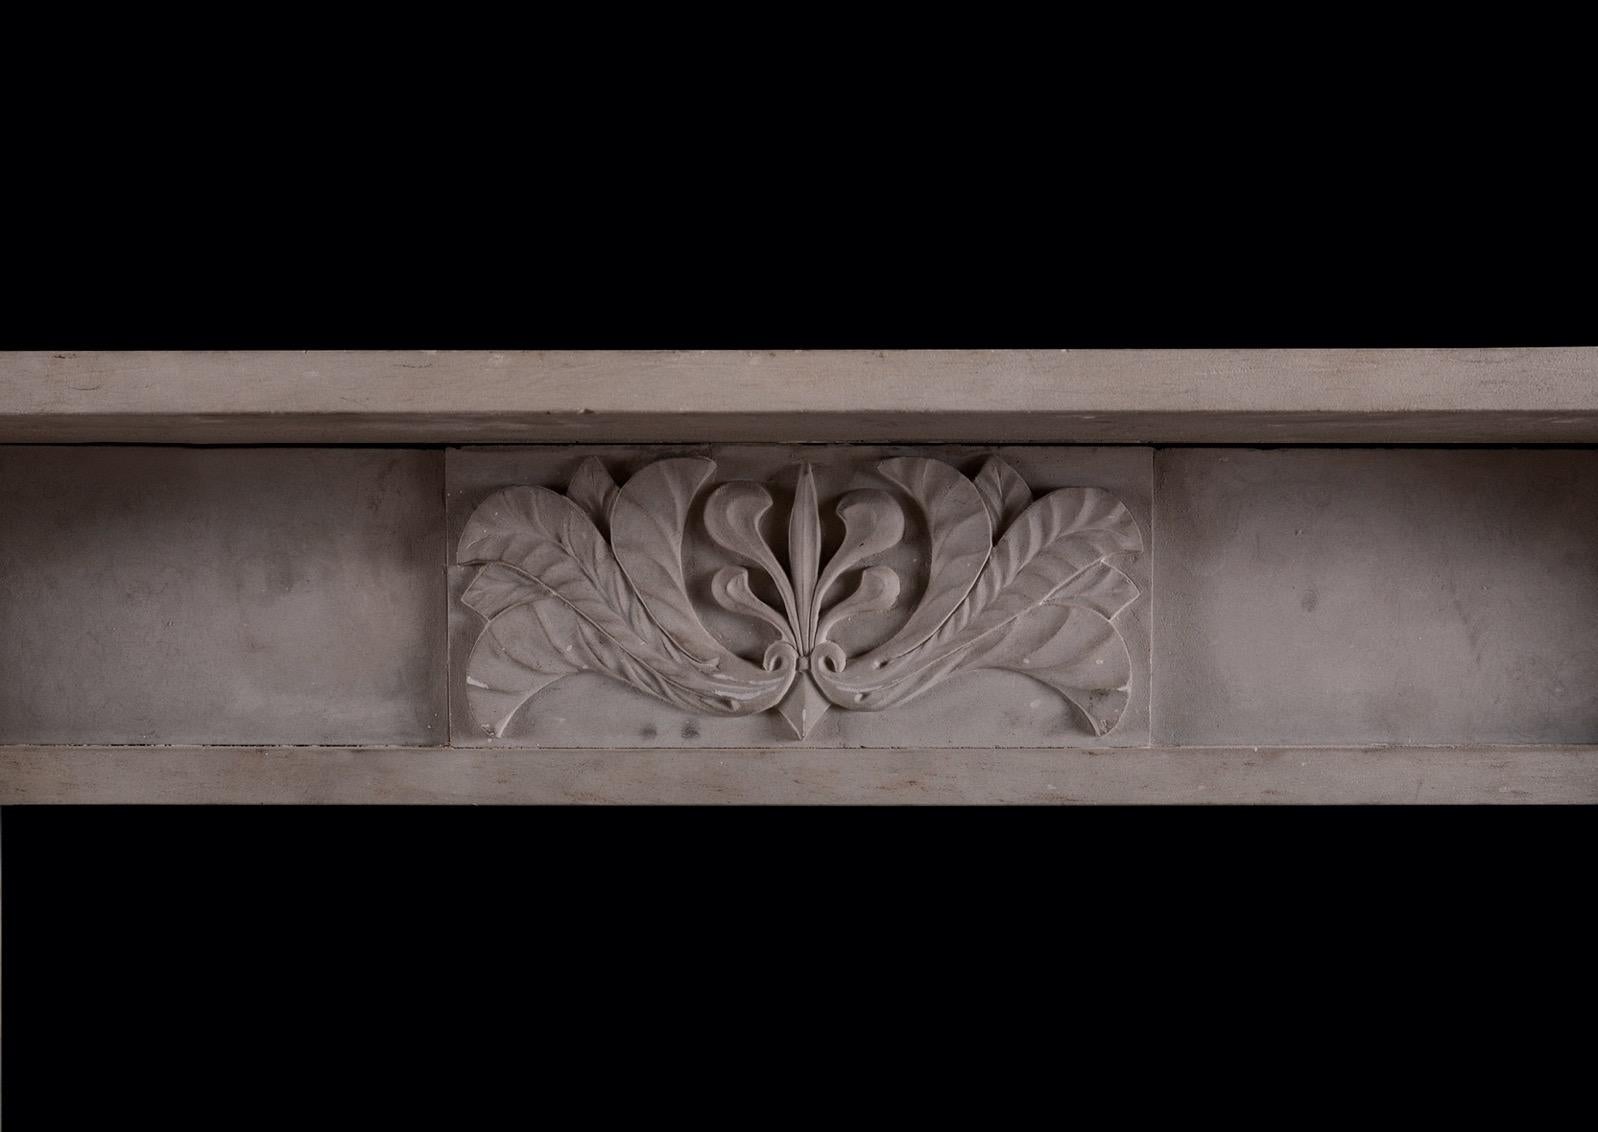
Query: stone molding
[1403, 396]
[767, 776]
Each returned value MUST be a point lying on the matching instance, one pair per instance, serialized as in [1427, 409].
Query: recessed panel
[270, 595]
[1377, 596]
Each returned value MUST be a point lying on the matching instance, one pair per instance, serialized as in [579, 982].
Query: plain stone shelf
[1405, 396]
[397, 775]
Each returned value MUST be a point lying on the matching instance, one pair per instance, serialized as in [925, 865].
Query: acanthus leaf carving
[593, 490]
[1004, 492]
[804, 554]
[872, 524]
[959, 538]
[1010, 583]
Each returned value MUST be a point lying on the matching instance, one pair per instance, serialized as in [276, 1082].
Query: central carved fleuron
[1010, 583]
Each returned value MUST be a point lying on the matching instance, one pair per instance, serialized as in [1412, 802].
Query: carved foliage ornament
[1010, 583]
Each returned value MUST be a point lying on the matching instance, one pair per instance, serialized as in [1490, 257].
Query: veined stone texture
[821, 596]
[1368, 596]
[266, 595]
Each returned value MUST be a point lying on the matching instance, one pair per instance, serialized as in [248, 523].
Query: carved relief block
[826, 596]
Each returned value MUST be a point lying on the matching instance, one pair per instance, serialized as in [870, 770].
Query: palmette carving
[595, 581]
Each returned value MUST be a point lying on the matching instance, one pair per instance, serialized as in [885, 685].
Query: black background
[360, 963]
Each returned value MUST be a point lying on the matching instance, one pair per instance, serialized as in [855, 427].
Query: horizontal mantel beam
[398, 775]
[1511, 396]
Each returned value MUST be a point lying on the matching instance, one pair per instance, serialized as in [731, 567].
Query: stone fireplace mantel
[1276, 576]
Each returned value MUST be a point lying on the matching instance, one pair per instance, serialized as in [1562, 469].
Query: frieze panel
[761, 595]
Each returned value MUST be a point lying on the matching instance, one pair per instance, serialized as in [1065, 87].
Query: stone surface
[165, 595]
[410, 776]
[1376, 596]
[881, 396]
[601, 704]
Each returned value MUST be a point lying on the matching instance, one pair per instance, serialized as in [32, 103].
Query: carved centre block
[780, 595]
